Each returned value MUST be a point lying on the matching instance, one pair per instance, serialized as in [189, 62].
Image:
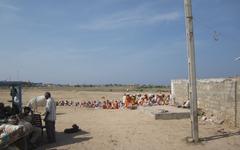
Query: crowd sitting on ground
[128, 101]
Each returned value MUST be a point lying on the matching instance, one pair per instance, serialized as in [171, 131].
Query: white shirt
[51, 108]
[16, 100]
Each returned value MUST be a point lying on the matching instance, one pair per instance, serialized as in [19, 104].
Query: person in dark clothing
[2, 111]
[15, 102]
[8, 111]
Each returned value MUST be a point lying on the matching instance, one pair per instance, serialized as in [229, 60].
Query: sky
[115, 41]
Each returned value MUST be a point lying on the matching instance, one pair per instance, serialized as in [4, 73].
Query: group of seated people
[147, 99]
[91, 104]
[128, 101]
[25, 120]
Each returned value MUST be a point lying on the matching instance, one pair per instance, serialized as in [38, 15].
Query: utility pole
[191, 69]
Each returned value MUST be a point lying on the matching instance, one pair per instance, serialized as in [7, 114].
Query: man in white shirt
[50, 117]
[36, 101]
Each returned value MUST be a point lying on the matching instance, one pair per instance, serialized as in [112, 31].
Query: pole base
[191, 140]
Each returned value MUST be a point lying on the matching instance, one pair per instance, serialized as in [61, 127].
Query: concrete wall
[220, 97]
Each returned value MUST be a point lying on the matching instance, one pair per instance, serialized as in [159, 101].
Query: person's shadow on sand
[64, 139]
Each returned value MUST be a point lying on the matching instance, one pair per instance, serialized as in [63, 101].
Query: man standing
[16, 102]
[50, 117]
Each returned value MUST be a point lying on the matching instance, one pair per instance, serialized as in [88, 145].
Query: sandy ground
[127, 129]
[134, 130]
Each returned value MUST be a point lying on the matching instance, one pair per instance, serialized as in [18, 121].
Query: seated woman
[141, 101]
[66, 103]
[160, 100]
[83, 104]
[134, 99]
[98, 104]
[89, 104]
[94, 104]
[71, 103]
[167, 99]
[146, 100]
[104, 106]
[115, 105]
[77, 104]
[128, 101]
[120, 104]
[61, 103]
[109, 104]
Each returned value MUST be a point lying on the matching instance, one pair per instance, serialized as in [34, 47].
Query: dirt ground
[126, 129]
[134, 130]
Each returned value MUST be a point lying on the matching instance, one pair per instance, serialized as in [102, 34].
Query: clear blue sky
[115, 41]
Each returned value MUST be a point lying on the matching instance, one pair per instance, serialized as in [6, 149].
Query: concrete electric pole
[191, 69]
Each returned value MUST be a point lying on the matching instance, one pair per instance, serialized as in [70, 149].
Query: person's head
[26, 110]
[13, 92]
[47, 95]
